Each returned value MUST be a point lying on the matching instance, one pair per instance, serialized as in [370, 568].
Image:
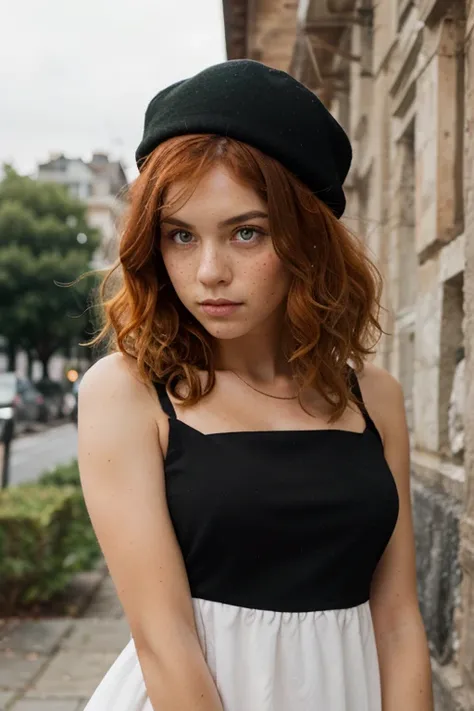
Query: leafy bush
[33, 560]
[45, 538]
[80, 542]
[63, 475]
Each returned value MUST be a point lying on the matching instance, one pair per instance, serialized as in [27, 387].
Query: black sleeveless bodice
[290, 521]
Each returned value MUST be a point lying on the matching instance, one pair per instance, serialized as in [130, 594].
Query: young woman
[248, 486]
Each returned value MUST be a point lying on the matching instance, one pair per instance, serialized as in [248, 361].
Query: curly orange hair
[333, 303]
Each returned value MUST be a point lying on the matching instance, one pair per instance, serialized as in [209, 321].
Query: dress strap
[355, 388]
[165, 401]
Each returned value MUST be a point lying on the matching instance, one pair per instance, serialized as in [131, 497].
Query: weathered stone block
[446, 696]
[436, 522]
[467, 651]
[426, 397]
[427, 357]
[439, 127]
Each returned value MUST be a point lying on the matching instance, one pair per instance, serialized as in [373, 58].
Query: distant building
[102, 185]
[71, 172]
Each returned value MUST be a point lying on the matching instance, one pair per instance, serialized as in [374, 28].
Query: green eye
[247, 233]
[184, 237]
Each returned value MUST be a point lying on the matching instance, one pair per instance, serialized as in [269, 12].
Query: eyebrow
[225, 223]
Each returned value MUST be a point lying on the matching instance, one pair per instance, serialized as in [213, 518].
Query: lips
[219, 307]
[219, 302]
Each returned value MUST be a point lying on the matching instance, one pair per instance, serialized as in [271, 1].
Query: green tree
[40, 256]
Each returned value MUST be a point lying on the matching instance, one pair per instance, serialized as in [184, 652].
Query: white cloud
[76, 76]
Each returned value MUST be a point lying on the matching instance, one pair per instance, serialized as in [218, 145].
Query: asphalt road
[32, 454]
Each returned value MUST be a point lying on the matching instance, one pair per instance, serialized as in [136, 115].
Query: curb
[41, 427]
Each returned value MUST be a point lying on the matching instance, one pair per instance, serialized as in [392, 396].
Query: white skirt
[269, 661]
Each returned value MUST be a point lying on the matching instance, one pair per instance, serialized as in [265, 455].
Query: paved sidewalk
[55, 664]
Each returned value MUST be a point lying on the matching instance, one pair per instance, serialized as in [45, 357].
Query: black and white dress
[281, 532]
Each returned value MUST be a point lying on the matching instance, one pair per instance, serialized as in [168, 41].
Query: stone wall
[403, 87]
[414, 139]
[467, 525]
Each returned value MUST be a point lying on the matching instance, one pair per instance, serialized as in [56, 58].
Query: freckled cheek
[179, 271]
[267, 278]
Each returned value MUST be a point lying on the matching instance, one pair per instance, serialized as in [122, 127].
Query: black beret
[264, 107]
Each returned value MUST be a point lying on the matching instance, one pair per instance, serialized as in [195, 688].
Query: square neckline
[169, 410]
[285, 431]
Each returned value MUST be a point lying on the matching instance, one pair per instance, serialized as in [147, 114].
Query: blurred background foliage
[45, 245]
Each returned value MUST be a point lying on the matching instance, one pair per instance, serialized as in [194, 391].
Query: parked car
[20, 394]
[54, 394]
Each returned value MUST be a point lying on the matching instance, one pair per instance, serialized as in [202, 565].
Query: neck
[256, 356]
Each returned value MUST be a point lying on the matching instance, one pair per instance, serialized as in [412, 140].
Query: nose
[214, 267]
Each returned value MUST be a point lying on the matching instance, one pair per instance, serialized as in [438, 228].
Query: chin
[226, 331]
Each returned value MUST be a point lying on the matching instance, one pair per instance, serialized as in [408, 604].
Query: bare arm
[400, 634]
[121, 466]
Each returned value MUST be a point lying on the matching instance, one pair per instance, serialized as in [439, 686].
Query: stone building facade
[399, 76]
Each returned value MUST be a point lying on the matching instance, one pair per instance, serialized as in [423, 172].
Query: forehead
[219, 190]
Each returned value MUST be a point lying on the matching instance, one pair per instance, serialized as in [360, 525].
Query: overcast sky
[76, 76]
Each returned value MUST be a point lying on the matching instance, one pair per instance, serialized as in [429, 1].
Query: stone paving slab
[105, 602]
[104, 609]
[17, 669]
[91, 635]
[41, 636]
[48, 705]
[56, 664]
[5, 626]
[5, 698]
[82, 590]
[72, 674]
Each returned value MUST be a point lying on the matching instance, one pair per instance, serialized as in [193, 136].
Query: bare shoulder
[115, 408]
[112, 379]
[374, 379]
[111, 371]
[384, 399]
